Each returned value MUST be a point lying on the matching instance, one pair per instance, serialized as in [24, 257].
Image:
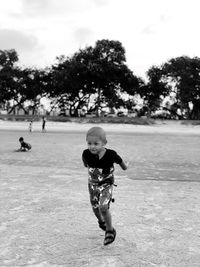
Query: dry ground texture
[45, 215]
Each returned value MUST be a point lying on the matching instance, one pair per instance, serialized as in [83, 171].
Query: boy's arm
[123, 165]
[84, 162]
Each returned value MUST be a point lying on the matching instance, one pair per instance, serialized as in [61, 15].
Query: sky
[151, 31]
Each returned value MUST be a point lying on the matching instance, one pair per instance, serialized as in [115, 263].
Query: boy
[24, 146]
[100, 163]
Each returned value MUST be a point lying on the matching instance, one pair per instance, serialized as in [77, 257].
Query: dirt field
[45, 215]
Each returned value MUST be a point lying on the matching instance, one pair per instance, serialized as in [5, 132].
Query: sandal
[102, 225]
[109, 237]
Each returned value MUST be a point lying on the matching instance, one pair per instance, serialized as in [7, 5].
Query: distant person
[100, 163]
[31, 126]
[24, 146]
[43, 124]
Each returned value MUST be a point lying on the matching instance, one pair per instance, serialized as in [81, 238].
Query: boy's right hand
[124, 166]
[127, 164]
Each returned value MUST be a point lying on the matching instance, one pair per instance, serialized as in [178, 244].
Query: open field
[45, 215]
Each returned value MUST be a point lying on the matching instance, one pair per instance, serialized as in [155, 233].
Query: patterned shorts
[100, 195]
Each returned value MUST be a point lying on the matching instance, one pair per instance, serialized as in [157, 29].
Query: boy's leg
[98, 214]
[108, 219]
[94, 200]
[104, 203]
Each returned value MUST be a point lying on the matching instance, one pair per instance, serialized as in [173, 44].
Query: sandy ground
[45, 215]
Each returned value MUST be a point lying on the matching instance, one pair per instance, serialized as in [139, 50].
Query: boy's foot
[102, 225]
[109, 237]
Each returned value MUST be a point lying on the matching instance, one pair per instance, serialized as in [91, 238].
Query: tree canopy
[19, 85]
[98, 76]
[179, 79]
[100, 71]
[184, 72]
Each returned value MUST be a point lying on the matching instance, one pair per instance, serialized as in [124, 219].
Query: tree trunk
[195, 114]
[98, 102]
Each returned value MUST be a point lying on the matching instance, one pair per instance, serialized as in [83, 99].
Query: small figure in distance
[43, 124]
[24, 146]
[31, 126]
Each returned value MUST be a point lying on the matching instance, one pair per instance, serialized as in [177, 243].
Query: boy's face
[95, 144]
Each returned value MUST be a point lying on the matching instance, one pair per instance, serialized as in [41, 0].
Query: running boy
[24, 146]
[100, 163]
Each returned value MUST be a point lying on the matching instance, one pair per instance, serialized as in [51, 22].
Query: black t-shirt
[25, 145]
[100, 169]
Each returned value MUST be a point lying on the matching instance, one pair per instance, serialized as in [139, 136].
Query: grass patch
[119, 120]
[191, 122]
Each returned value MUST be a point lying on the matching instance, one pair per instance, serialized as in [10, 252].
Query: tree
[8, 72]
[20, 85]
[154, 90]
[110, 74]
[32, 86]
[8, 58]
[69, 85]
[184, 72]
[99, 71]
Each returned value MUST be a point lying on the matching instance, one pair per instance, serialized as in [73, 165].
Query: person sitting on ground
[24, 146]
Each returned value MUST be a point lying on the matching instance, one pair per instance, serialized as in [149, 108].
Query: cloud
[13, 39]
[51, 8]
[101, 2]
[148, 29]
[164, 18]
[38, 7]
[83, 35]
[156, 25]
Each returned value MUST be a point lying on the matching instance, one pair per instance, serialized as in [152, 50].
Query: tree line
[97, 77]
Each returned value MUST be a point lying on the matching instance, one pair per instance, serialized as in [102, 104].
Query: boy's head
[96, 139]
[21, 139]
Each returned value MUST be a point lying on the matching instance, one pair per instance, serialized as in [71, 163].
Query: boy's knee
[103, 208]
